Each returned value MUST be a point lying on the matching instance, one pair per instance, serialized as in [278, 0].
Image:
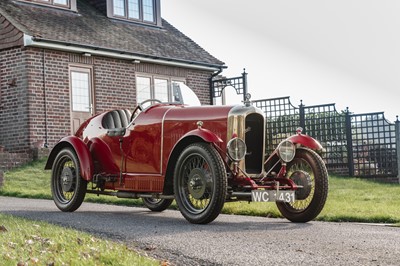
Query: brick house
[61, 61]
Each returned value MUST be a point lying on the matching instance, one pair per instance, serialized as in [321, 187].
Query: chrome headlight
[236, 149]
[286, 151]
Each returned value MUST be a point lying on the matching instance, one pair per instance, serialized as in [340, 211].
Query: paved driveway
[229, 240]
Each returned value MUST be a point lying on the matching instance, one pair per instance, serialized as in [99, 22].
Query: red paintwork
[147, 144]
[205, 134]
[306, 141]
[81, 150]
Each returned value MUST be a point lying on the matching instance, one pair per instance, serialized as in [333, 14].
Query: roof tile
[90, 27]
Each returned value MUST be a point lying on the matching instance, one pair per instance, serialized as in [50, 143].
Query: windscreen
[184, 95]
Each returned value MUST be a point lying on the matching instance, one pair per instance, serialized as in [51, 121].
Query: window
[161, 91]
[60, 2]
[148, 10]
[81, 89]
[69, 4]
[80, 84]
[143, 89]
[136, 10]
[155, 88]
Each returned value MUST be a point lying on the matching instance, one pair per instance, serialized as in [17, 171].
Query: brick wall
[13, 100]
[11, 160]
[51, 84]
[44, 74]
[198, 81]
[114, 83]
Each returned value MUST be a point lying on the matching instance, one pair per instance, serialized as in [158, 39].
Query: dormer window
[144, 11]
[65, 4]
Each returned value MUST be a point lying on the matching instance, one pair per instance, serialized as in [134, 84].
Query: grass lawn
[349, 199]
[25, 242]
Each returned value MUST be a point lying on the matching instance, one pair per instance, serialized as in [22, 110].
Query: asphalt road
[229, 240]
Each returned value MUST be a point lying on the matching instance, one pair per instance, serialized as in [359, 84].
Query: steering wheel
[139, 108]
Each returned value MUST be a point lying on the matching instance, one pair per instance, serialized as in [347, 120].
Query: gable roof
[90, 30]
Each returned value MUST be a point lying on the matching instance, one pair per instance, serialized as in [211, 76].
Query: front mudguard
[81, 150]
[305, 141]
[299, 140]
[196, 135]
[203, 133]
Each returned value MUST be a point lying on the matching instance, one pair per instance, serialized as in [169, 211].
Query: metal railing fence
[364, 145]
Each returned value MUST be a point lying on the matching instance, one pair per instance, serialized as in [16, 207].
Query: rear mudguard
[81, 150]
[306, 141]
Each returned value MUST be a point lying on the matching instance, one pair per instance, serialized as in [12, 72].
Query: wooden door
[82, 100]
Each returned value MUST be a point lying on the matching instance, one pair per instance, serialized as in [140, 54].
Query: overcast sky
[339, 51]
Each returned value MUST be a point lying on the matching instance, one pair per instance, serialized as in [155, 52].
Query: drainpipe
[212, 85]
[46, 144]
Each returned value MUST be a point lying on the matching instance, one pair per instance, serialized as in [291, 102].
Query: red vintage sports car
[200, 156]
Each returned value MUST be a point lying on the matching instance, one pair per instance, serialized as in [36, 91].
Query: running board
[131, 195]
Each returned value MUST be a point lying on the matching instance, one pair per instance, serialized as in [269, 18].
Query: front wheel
[308, 170]
[200, 183]
[67, 186]
[157, 205]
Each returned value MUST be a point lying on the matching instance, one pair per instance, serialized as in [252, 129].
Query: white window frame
[142, 15]
[153, 78]
[89, 72]
[71, 4]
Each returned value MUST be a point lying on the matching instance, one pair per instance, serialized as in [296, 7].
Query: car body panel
[142, 153]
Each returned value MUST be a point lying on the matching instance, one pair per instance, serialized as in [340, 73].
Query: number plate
[272, 196]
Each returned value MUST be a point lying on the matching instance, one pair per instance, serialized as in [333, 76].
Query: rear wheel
[157, 205]
[307, 170]
[200, 183]
[67, 186]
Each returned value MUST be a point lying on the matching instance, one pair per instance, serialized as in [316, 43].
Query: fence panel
[328, 126]
[374, 145]
[282, 120]
[355, 144]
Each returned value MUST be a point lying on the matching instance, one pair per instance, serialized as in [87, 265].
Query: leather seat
[116, 119]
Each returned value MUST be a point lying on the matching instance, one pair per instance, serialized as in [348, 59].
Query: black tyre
[308, 170]
[200, 183]
[157, 205]
[67, 186]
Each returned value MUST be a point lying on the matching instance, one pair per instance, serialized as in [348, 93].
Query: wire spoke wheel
[308, 171]
[157, 205]
[197, 183]
[200, 183]
[68, 188]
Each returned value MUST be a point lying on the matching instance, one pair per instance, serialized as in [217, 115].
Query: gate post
[302, 117]
[244, 77]
[349, 142]
[397, 123]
